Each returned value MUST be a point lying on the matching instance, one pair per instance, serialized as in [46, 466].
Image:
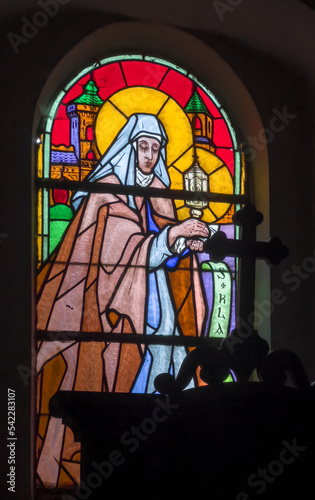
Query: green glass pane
[228, 379]
[237, 172]
[90, 95]
[221, 310]
[45, 211]
[195, 105]
[57, 229]
[54, 107]
[49, 124]
[45, 247]
[46, 156]
[61, 212]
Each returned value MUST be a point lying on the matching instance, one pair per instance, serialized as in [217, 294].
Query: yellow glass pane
[208, 216]
[64, 480]
[69, 475]
[179, 203]
[39, 251]
[227, 219]
[185, 161]
[76, 457]
[40, 210]
[177, 181]
[208, 161]
[178, 130]
[40, 158]
[183, 213]
[139, 100]
[221, 181]
[219, 209]
[39, 225]
[109, 122]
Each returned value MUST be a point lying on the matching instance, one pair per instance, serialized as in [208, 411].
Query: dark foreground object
[235, 441]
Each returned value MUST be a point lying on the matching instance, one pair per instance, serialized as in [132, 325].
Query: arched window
[124, 287]
[197, 125]
[90, 155]
[145, 142]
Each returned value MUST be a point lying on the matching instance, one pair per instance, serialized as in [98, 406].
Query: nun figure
[110, 273]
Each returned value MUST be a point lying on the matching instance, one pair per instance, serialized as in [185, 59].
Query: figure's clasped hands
[190, 229]
[195, 245]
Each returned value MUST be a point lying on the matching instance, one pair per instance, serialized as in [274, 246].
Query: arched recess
[205, 64]
[201, 62]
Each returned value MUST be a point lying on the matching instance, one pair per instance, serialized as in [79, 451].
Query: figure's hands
[195, 245]
[188, 229]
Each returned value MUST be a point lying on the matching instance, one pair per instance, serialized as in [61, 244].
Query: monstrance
[196, 181]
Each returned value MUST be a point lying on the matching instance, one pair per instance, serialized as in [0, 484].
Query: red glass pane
[90, 155]
[90, 134]
[76, 90]
[61, 128]
[143, 73]
[178, 87]
[197, 124]
[227, 156]
[221, 135]
[210, 104]
[109, 80]
[60, 195]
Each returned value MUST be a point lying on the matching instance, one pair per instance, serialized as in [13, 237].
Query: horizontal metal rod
[174, 194]
[126, 338]
[135, 266]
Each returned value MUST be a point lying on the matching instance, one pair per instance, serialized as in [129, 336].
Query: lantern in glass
[196, 181]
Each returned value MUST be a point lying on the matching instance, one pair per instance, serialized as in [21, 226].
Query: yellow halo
[120, 106]
[220, 181]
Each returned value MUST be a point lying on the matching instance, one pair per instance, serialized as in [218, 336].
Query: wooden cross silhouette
[243, 349]
[247, 249]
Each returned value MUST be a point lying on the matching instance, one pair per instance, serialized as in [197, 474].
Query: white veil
[120, 157]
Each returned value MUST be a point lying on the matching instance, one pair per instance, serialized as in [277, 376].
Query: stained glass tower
[201, 122]
[82, 113]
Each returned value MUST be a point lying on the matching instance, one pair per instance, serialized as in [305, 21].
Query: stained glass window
[137, 163]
